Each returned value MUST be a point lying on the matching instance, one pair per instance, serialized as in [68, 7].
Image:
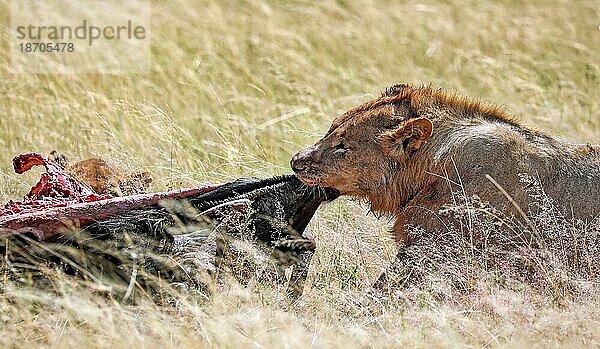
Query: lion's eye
[340, 149]
[393, 123]
[391, 126]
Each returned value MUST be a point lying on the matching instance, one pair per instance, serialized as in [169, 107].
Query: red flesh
[59, 201]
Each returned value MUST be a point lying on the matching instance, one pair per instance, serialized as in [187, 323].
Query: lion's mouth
[313, 180]
[309, 179]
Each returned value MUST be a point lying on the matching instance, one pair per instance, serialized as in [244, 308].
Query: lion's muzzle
[302, 160]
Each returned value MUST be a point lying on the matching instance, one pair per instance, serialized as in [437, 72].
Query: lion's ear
[408, 137]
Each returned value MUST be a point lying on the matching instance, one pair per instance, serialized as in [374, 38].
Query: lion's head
[365, 146]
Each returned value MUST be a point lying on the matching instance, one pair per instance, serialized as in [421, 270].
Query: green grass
[235, 89]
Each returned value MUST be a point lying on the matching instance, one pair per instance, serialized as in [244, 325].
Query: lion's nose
[300, 161]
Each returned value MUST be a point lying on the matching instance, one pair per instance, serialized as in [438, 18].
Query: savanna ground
[235, 89]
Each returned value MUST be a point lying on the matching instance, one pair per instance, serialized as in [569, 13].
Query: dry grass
[236, 89]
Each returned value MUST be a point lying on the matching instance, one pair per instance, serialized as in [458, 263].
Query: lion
[408, 151]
